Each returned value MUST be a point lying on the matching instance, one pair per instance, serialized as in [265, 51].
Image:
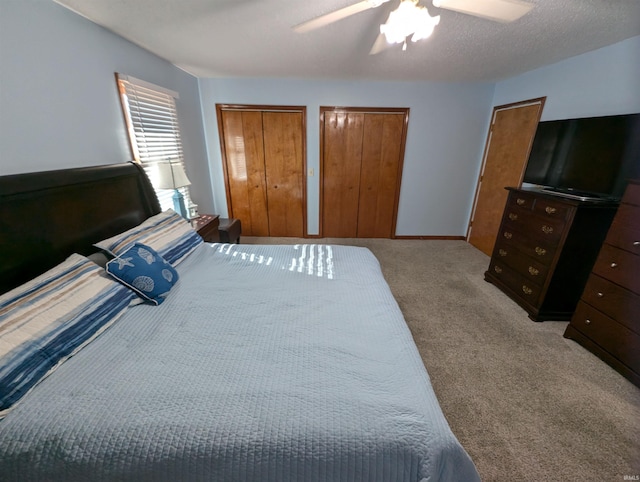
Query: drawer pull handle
[636, 243]
[508, 235]
[513, 216]
[497, 269]
[614, 265]
[547, 229]
[540, 251]
[550, 210]
[587, 321]
[502, 252]
[520, 201]
[526, 290]
[599, 294]
[533, 271]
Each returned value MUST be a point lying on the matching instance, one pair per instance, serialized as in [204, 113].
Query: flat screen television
[590, 157]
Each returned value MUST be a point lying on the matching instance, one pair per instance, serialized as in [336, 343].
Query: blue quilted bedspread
[265, 363]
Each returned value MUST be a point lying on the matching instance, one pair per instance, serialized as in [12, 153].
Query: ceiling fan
[497, 10]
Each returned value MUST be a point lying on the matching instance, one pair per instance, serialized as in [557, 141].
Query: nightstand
[207, 226]
[230, 230]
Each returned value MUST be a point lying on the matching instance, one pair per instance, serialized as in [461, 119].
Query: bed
[256, 363]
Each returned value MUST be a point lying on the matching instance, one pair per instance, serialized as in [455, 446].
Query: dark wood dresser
[607, 319]
[545, 249]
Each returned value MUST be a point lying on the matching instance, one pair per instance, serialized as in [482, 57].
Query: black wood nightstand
[207, 226]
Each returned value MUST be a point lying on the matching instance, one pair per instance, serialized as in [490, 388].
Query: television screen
[592, 157]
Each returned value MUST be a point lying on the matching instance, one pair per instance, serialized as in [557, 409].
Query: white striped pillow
[168, 233]
[50, 318]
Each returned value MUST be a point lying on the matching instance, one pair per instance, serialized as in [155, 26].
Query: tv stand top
[572, 194]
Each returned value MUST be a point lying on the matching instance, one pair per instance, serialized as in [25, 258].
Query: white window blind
[152, 123]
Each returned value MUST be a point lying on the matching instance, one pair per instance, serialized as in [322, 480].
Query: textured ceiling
[254, 38]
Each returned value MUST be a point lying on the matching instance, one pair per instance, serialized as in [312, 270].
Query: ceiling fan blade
[337, 15]
[498, 10]
[379, 45]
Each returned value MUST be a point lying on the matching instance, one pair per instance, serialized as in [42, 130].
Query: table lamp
[172, 176]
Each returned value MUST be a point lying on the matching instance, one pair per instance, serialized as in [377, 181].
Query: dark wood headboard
[47, 216]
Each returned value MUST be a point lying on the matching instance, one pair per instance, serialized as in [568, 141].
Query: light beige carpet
[526, 403]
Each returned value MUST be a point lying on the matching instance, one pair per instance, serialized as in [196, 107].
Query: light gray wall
[602, 82]
[447, 129]
[59, 104]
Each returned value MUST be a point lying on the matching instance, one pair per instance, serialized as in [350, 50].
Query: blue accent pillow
[143, 270]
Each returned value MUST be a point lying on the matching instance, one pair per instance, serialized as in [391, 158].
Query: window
[152, 125]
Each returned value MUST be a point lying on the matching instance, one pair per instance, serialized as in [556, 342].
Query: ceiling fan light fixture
[425, 24]
[408, 20]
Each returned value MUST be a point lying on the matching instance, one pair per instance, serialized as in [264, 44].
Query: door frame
[264, 108]
[496, 109]
[364, 110]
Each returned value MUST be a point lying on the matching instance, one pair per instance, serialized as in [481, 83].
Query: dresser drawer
[509, 239]
[548, 231]
[551, 209]
[521, 200]
[625, 229]
[614, 301]
[619, 266]
[613, 337]
[534, 270]
[517, 216]
[519, 285]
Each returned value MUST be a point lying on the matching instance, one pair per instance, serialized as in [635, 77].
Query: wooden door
[263, 153]
[342, 158]
[361, 154]
[243, 148]
[284, 172]
[379, 174]
[511, 133]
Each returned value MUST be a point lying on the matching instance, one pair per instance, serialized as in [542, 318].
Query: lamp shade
[171, 176]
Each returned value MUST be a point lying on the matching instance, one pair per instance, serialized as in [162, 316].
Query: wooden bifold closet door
[263, 158]
[362, 155]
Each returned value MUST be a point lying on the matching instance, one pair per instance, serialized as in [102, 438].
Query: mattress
[264, 363]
